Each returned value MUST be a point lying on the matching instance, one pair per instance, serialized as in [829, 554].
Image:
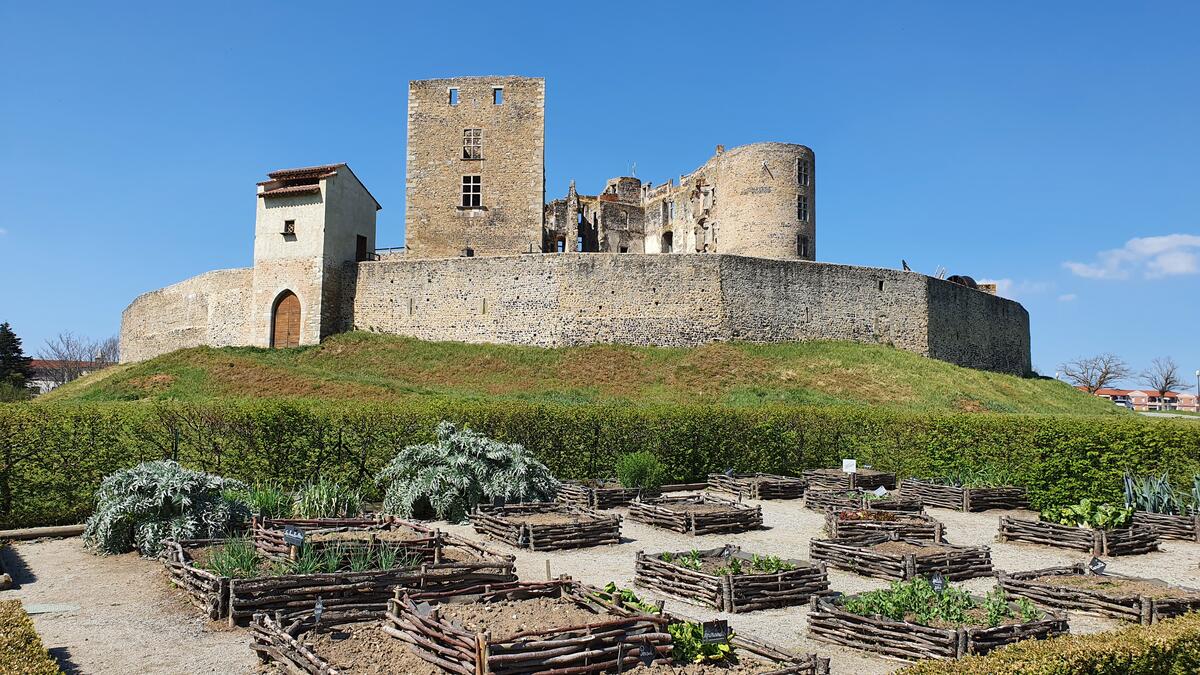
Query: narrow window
[497, 95]
[802, 208]
[671, 211]
[472, 144]
[668, 242]
[560, 245]
[803, 173]
[453, 95]
[579, 244]
[472, 195]
[624, 249]
[802, 246]
[580, 218]
[289, 227]
[881, 284]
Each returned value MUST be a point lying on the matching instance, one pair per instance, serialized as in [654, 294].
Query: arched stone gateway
[285, 321]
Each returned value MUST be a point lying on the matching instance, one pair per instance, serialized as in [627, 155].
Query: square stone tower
[310, 222]
[476, 166]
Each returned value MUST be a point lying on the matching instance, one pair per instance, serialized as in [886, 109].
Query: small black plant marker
[646, 653]
[497, 501]
[729, 472]
[715, 631]
[1096, 565]
[293, 536]
[938, 582]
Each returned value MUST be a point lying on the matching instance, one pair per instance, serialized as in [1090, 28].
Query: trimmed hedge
[1170, 647]
[21, 650]
[53, 456]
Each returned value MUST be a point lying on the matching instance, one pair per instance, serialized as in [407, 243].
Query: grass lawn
[369, 366]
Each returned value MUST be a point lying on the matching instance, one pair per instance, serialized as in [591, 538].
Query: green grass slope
[380, 367]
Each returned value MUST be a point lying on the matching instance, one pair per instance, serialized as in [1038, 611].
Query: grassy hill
[380, 367]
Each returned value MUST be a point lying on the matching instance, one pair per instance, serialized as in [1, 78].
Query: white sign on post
[850, 466]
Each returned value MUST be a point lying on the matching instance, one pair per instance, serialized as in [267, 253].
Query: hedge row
[1171, 647]
[52, 457]
[21, 650]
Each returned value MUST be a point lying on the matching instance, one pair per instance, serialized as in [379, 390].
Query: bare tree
[108, 351]
[1162, 375]
[70, 356]
[1094, 373]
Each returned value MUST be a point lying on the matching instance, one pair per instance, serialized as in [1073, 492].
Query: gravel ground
[118, 614]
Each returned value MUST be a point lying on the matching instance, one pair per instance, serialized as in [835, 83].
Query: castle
[726, 253]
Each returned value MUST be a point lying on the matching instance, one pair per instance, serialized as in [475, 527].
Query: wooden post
[963, 644]
[229, 591]
[910, 565]
[966, 500]
[548, 577]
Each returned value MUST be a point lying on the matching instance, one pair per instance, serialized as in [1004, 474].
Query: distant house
[49, 373]
[1150, 399]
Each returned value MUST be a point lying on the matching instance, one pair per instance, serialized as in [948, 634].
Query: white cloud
[1067, 297]
[1014, 289]
[1152, 257]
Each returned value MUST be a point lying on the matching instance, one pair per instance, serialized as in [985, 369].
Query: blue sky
[1053, 147]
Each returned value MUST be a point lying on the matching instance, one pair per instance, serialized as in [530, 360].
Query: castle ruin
[727, 252]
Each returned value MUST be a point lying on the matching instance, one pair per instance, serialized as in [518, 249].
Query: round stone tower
[765, 204]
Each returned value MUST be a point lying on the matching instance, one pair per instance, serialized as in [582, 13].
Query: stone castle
[726, 253]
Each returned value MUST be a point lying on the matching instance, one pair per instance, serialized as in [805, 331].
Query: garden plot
[1170, 526]
[836, 479]
[1076, 587]
[885, 557]
[547, 526]
[731, 580]
[851, 500]
[1118, 541]
[697, 514]
[945, 494]
[760, 486]
[600, 494]
[916, 526]
[269, 535]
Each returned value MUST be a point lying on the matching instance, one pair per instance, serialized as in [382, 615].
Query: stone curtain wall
[977, 329]
[209, 309]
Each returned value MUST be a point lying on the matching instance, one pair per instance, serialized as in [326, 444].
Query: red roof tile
[291, 190]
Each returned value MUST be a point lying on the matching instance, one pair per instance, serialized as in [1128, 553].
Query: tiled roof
[305, 172]
[291, 190]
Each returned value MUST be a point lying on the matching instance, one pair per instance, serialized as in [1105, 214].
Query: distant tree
[72, 355]
[16, 369]
[1094, 373]
[108, 351]
[1162, 375]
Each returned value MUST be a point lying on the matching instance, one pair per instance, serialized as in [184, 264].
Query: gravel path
[121, 615]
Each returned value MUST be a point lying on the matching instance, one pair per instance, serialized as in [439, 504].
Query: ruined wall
[511, 167]
[209, 309]
[977, 329]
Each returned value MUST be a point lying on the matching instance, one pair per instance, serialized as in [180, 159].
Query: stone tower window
[803, 172]
[802, 246]
[668, 242]
[497, 95]
[671, 211]
[472, 144]
[472, 192]
[802, 208]
[289, 227]
[453, 95]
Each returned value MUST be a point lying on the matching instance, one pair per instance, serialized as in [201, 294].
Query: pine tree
[16, 369]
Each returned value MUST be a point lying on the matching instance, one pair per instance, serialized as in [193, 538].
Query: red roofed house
[1150, 399]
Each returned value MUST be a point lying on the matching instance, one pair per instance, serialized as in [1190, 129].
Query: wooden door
[286, 322]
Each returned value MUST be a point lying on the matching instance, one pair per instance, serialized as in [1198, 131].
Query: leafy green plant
[640, 469]
[691, 560]
[690, 647]
[265, 498]
[137, 508]
[326, 499]
[1157, 494]
[770, 564]
[235, 558]
[734, 566]
[308, 560]
[460, 470]
[611, 593]
[1089, 514]
[916, 600]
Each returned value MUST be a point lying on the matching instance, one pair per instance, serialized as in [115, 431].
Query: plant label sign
[849, 466]
[646, 653]
[715, 631]
[1096, 565]
[879, 491]
[293, 536]
[497, 501]
[938, 582]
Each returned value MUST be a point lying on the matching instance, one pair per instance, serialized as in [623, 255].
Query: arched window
[668, 242]
[285, 321]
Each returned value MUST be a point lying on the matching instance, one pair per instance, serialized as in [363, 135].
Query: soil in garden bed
[509, 617]
[904, 548]
[877, 516]
[746, 666]
[691, 507]
[391, 535]
[364, 649]
[551, 518]
[1114, 586]
[713, 566]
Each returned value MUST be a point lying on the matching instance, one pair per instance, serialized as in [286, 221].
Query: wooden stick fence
[1128, 606]
[757, 485]
[1170, 526]
[599, 495]
[268, 535]
[910, 641]
[858, 555]
[731, 592]
[836, 479]
[915, 526]
[672, 513]
[509, 525]
[208, 591]
[835, 500]
[965, 499]
[1133, 540]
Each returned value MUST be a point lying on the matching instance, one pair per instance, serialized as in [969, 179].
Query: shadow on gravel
[63, 656]
[12, 564]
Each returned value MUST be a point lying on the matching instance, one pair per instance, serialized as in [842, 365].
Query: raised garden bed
[547, 526]
[850, 524]
[1076, 587]
[455, 563]
[834, 500]
[1133, 540]
[1170, 526]
[757, 485]
[697, 514]
[907, 640]
[836, 479]
[883, 557]
[729, 580]
[346, 533]
[600, 494]
[965, 498]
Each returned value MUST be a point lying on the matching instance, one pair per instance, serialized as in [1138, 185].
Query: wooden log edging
[856, 555]
[1133, 540]
[665, 512]
[836, 479]
[1170, 526]
[914, 526]
[583, 495]
[759, 486]
[617, 637]
[903, 640]
[731, 592]
[1127, 607]
[267, 534]
[966, 499]
[841, 500]
[505, 524]
[206, 590]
